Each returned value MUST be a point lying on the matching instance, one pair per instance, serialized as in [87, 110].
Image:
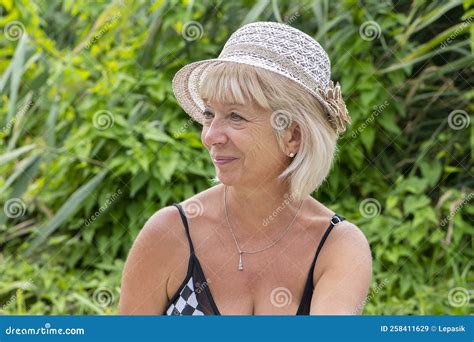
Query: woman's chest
[271, 281]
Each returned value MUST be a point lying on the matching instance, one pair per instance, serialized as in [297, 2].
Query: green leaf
[138, 181]
[167, 165]
[367, 137]
[17, 72]
[67, 210]
[388, 121]
[21, 169]
[88, 303]
[413, 203]
[414, 185]
[431, 171]
[157, 135]
[255, 12]
[15, 153]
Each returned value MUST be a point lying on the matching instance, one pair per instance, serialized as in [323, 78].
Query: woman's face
[245, 134]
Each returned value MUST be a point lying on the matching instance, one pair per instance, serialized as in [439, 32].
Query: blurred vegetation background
[92, 141]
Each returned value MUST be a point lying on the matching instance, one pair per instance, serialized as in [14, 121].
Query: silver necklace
[241, 252]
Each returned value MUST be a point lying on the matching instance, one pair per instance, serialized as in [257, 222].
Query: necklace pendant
[241, 263]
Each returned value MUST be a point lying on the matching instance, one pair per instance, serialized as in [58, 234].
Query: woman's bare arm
[149, 265]
[343, 286]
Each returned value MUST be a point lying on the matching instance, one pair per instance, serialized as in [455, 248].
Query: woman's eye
[236, 117]
[207, 114]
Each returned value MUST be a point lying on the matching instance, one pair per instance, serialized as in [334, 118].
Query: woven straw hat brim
[187, 81]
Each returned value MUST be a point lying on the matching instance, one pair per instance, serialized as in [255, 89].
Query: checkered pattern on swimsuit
[186, 304]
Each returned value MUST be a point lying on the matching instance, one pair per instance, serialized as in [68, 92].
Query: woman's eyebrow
[231, 104]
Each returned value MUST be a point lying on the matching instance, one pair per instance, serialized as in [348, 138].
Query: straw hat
[276, 47]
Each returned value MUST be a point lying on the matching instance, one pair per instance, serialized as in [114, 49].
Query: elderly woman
[248, 245]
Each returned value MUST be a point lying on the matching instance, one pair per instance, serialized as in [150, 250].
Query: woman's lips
[223, 161]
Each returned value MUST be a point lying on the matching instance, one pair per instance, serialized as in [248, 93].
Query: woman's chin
[226, 178]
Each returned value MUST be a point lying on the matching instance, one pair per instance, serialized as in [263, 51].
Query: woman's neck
[259, 211]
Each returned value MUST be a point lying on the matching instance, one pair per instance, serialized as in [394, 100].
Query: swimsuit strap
[309, 287]
[186, 227]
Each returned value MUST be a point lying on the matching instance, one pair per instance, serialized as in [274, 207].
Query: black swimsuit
[194, 297]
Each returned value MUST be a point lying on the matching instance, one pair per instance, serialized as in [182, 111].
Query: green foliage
[92, 141]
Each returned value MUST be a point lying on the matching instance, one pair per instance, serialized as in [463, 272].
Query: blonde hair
[241, 83]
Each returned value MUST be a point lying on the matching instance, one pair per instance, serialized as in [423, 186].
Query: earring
[292, 155]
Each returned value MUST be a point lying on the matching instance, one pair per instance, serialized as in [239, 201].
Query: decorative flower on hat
[338, 114]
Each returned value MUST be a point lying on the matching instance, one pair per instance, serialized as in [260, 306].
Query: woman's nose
[215, 133]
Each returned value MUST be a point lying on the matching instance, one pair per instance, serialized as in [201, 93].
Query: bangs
[234, 83]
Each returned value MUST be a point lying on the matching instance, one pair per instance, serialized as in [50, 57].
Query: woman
[249, 245]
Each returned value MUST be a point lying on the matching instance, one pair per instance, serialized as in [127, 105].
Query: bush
[93, 142]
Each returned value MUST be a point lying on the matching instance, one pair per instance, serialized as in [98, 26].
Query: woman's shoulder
[346, 248]
[159, 233]
[203, 204]
[166, 223]
[345, 245]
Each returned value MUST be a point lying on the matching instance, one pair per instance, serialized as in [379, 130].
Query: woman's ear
[293, 138]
